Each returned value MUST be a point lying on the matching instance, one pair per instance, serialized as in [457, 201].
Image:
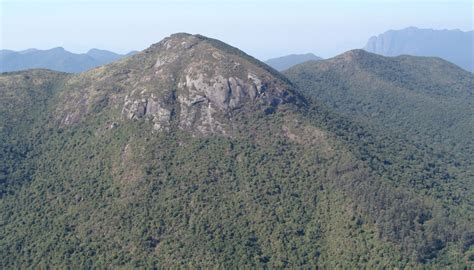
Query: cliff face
[452, 45]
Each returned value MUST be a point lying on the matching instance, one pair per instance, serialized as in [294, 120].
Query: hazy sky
[262, 28]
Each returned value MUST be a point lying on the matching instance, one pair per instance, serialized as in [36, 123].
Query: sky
[262, 28]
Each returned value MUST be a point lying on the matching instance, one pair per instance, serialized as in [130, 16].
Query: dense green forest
[423, 102]
[286, 183]
[421, 99]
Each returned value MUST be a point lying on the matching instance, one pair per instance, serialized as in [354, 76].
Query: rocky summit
[188, 81]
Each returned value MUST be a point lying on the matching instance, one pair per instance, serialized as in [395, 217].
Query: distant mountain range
[285, 62]
[57, 59]
[455, 46]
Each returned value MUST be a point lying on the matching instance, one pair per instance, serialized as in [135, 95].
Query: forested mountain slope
[193, 154]
[427, 100]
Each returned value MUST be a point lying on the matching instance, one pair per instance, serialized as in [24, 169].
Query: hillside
[193, 154]
[454, 46]
[287, 61]
[55, 59]
[426, 99]
[425, 102]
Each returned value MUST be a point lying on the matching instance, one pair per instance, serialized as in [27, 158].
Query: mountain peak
[181, 35]
[351, 57]
[354, 54]
[175, 42]
[187, 81]
[285, 62]
[58, 49]
[95, 50]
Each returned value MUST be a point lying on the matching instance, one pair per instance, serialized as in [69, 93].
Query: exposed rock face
[185, 81]
[149, 108]
[203, 100]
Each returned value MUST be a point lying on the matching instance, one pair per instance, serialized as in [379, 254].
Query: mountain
[192, 153]
[55, 59]
[131, 53]
[455, 46]
[285, 62]
[427, 99]
[420, 100]
[103, 56]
